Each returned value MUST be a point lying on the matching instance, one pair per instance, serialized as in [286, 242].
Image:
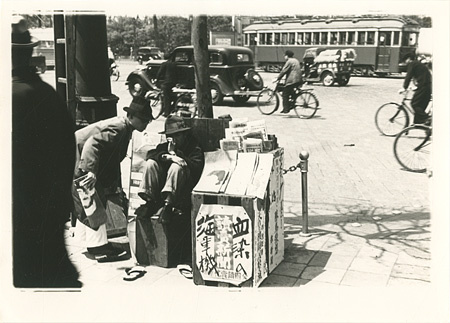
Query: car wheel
[327, 79]
[216, 94]
[241, 98]
[254, 80]
[343, 80]
[136, 87]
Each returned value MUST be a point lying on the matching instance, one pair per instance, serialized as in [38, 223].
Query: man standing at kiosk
[101, 147]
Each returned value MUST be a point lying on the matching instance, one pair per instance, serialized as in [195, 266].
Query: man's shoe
[106, 250]
[285, 111]
[165, 213]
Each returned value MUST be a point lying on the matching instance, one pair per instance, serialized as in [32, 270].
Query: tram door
[383, 54]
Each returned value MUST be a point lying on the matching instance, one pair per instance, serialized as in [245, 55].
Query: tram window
[262, 39]
[361, 37]
[284, 39]
[316, 38]
[334, 39]
[300, 39]
[342, 38]
[277, 39]
[388, 41]
[351, 38]
[370, 37]
[396, 38]
[291, 38]
[307, 38]
[269, 39]
[324, 40]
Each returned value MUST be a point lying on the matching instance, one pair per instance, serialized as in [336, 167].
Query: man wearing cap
[43, 158]
[100, 148]
[422, 79]
[293, 73]
[172, 170]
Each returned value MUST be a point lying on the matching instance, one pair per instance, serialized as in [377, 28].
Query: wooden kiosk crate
[238, 240]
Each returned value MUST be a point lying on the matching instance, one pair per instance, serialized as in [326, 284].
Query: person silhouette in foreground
[43, 159]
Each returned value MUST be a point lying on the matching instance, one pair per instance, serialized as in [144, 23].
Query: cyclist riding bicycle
[293, 73]
[422, 95]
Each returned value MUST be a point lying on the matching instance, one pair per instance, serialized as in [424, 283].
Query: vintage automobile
[328, 65]
[148, 53]
[231, 68]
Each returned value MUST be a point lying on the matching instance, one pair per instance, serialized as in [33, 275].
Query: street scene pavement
[369, 220]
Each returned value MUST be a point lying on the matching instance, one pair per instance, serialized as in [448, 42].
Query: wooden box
[233, 257]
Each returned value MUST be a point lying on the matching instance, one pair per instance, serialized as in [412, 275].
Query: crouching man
[171, 171]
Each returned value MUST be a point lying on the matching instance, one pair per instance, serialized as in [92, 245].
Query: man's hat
[20, 36]
[174, 124]
[140, 108]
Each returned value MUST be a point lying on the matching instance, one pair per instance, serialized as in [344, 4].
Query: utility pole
[201, 66]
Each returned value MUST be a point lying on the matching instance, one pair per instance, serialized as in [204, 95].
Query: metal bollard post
[304, 155]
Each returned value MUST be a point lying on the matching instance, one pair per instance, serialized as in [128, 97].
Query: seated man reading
[171, 171]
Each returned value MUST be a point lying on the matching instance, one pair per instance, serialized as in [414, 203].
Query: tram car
[380, 43]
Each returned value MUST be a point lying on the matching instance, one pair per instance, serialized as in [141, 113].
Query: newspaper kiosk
[237, 217]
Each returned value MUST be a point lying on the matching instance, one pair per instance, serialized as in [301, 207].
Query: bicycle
[392, 117]
[114, 72]
[412, 147]
[304, 102]
[185, 103]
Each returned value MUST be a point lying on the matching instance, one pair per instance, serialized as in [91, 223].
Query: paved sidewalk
[369, 221]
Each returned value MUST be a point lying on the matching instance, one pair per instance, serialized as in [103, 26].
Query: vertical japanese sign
[260, 261]
[275, 214]
[224, 243]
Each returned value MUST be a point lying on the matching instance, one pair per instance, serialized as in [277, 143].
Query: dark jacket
[292, 71]
[43, 159]
[167, 73]
[191, 153]
[418, 71]
[101, 147]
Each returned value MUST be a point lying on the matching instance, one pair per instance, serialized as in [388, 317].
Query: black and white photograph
[225, 161]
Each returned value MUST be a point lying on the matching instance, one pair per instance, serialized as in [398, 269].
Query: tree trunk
[201, 66]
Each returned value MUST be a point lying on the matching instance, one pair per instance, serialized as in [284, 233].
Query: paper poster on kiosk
[224, 243]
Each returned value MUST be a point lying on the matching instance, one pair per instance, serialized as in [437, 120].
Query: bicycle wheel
[306, 105]
[268, 101]
[155, 104]
[412, 148]
[391, 118]
[186, 103]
